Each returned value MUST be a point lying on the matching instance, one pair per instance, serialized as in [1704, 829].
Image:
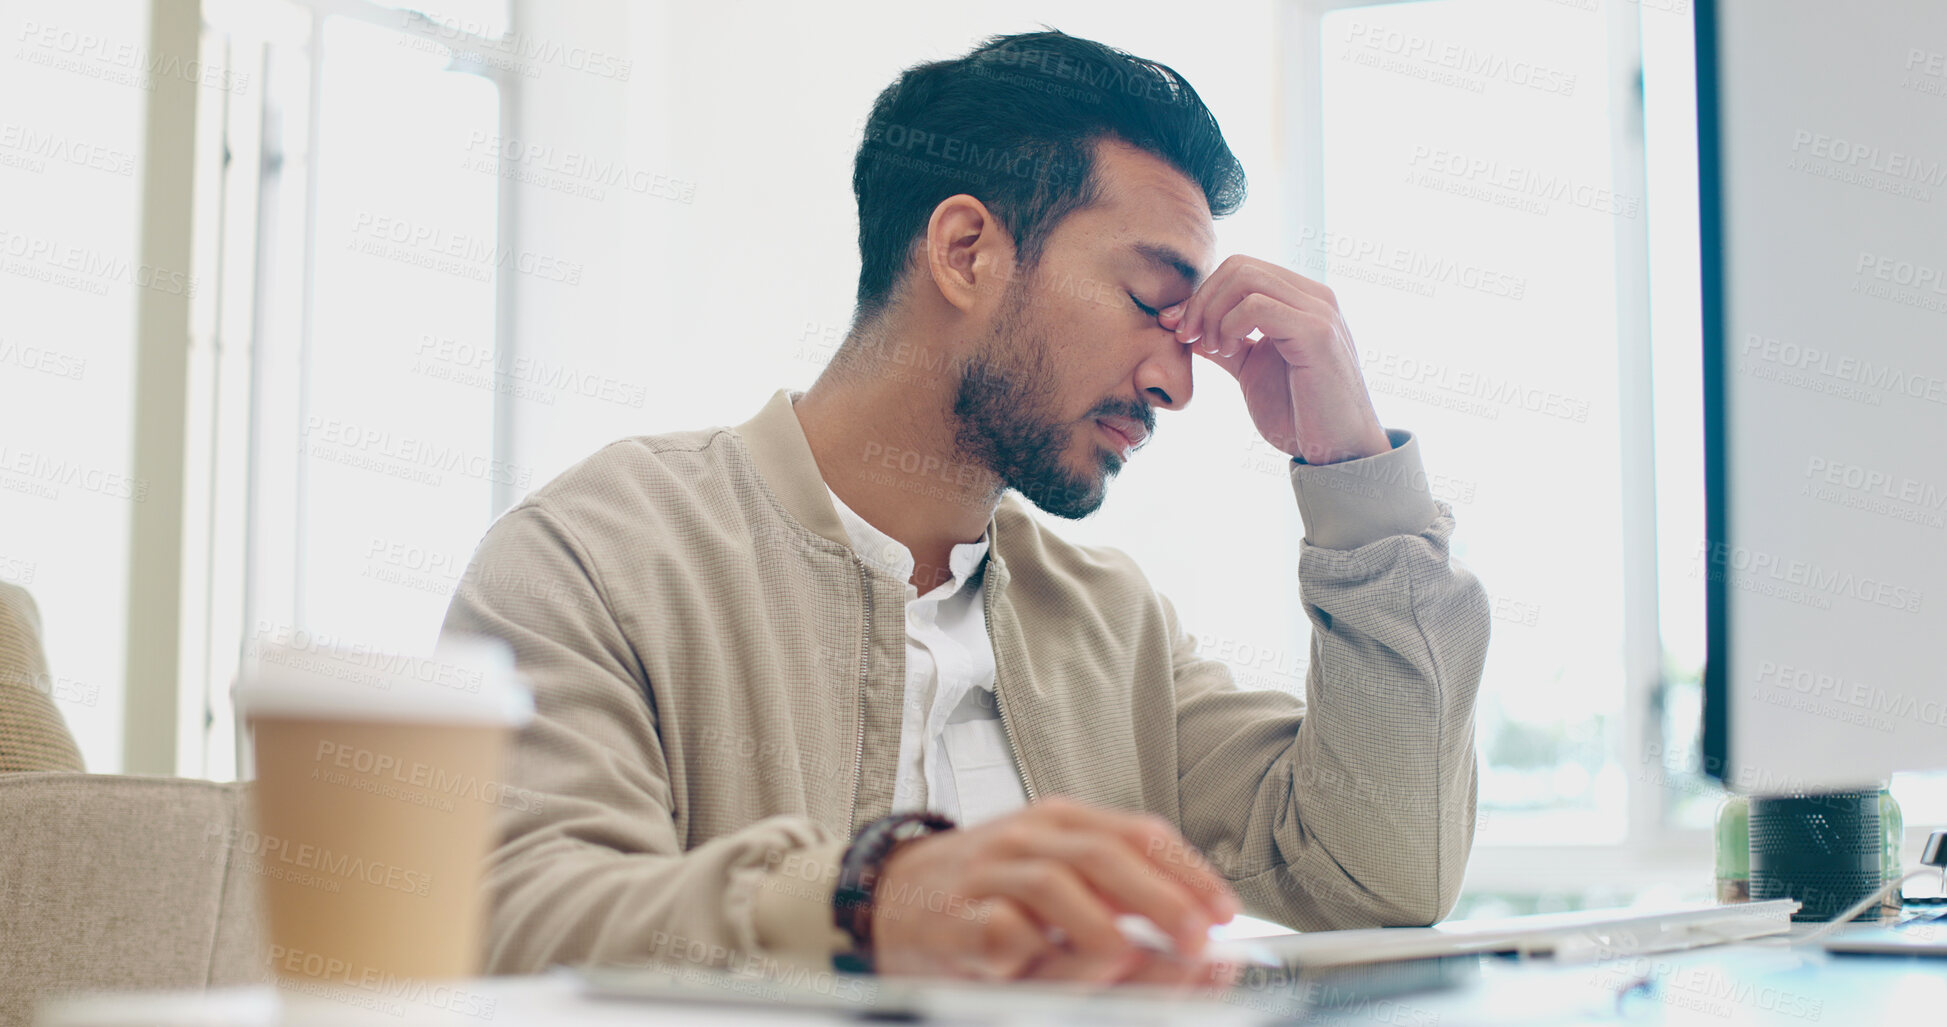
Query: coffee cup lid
[468, 679]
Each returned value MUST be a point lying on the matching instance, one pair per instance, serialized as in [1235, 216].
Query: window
[395, 460]
[72, 277]
[1502, 193]
[377, 420]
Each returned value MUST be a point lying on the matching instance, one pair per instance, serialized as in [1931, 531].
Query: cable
[1860, 907]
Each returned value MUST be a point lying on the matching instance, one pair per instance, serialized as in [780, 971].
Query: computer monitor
[1823, 153]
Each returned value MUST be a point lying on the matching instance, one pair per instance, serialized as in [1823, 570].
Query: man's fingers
[1237, 277]
[1054, 893]
[1003, 946]
[1196, 309]
[1065, 965]
[1248, 314]
[1207, 349]
[1176, 860]
[1232, 365]
[1158, 842]
[1294, 333]
[1132, 884]
[1221, 306]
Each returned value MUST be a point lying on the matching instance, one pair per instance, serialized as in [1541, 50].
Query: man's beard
[1008, 419]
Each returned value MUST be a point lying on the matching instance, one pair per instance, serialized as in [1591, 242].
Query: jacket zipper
[1000, 699]
[865, 657]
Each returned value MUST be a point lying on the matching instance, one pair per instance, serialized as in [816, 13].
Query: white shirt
[954, 758]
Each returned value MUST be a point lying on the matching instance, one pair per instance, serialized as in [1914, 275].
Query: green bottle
[1734, 849]
[1892, 827]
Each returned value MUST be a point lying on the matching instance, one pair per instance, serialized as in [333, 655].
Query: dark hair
[1014, 124]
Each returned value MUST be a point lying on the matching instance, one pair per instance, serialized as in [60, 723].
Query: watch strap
[858, 877]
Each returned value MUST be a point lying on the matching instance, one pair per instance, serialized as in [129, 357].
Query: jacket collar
[783, 456]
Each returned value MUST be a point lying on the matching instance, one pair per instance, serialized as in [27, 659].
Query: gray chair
[110, 882]
[32, 734]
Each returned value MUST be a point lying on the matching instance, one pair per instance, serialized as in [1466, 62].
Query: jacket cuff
[791, 910]
[1347, 505]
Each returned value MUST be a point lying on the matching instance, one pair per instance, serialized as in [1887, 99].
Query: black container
[1821, 848]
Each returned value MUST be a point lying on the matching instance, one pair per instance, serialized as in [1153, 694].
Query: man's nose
[1164, 375]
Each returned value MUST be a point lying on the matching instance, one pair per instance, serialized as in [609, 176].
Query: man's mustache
[1142, 412]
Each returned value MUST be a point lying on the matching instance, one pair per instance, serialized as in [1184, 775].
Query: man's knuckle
[1099, 850]
[1179, 904]
[1003, 934]
[1013, 835]
[1043, 878]
[992, 936]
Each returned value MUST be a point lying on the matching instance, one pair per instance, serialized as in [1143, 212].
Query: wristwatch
[858, 875]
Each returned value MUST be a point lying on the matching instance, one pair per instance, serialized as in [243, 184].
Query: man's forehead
[1159, 211]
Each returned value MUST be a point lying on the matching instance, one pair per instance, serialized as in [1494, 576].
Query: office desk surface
[1727, 985]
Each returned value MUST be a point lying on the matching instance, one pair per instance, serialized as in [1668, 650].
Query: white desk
[556, 999]
[1723, 986]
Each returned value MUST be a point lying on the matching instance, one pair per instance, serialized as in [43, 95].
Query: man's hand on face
[1301, 379]
[1035, 894]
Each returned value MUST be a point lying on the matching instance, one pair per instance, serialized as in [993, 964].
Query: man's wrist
[864, 863]
[1376, 442]
[1350, 504]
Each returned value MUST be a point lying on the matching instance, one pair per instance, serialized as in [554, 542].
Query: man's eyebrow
[1170, 260]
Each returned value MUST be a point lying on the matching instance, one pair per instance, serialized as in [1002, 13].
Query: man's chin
[1075, 496]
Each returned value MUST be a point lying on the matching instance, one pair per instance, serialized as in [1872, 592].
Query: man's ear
[968, 254]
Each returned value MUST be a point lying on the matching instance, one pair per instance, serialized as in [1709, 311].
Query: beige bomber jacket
[718, 682]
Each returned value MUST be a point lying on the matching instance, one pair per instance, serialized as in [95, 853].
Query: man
[795, 704]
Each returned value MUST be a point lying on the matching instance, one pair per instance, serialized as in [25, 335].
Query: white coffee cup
[378, 780]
